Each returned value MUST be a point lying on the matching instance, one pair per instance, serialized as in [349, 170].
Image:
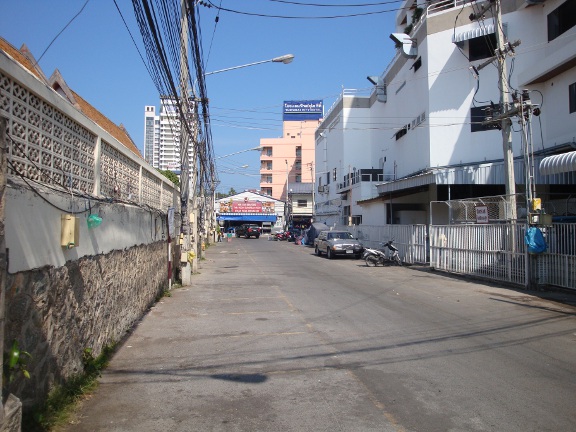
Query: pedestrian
[219, 236]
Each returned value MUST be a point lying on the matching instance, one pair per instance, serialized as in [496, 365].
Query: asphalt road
[272, 338]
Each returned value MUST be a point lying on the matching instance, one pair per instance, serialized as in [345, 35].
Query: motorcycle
[282, 235]
[373, 257]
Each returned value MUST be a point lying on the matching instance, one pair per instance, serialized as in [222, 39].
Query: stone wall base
[11, 415]
[56, 313]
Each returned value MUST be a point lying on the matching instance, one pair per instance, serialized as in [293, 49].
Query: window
[562, 19]
[357, 220]
[302, 203]
[298, 151]
[479, 114]
[481, 47]
[572, 97]
[401, 133]
[298, 178]
[327, 178]
[417, 64]
[334, 177]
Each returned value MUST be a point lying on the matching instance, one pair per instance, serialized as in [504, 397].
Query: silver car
[334, 243]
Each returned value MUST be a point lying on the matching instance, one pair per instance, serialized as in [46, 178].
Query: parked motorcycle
[373, 257]
[282, 235]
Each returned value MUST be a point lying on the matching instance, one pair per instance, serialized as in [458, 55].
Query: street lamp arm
[287, 58]
[238, 152]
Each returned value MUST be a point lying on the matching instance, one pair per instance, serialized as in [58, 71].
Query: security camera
[407, 44]
[401, 38]
[373, 79]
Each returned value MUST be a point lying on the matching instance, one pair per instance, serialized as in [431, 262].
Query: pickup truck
[334, 243]
[248, 230]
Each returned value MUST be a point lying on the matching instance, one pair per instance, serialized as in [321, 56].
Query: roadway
[270, 337]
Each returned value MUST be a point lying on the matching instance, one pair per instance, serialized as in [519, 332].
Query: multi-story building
[151, 135]
[162, 136]
[287, 162]
[430, 137]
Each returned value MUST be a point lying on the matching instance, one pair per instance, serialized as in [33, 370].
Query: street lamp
[240, 151]
[285, 59]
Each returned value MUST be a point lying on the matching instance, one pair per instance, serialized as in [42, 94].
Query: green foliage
[15, 363]
[62, 400]
[170, 176]
[417, 15]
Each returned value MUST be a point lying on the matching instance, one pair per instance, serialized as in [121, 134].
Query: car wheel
[246, 236]
[317, 251]
[329, 253]
[371, 261]
[257, 237]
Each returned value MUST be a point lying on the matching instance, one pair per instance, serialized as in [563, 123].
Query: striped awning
[557, 164]
[474, 33]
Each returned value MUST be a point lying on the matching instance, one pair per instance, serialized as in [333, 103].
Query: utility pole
[506, 122]
[501, 53]
[187, 237]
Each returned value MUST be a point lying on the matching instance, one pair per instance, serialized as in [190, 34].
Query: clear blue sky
[99, 61]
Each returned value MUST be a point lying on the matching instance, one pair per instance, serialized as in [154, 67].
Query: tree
[170, 176]
[231, 192]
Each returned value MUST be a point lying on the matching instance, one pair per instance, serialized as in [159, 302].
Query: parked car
[248, 230]
[334, 243]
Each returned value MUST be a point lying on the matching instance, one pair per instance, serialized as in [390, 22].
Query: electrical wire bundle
[172, 65]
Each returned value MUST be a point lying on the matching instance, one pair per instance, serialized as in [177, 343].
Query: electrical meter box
[70, 232]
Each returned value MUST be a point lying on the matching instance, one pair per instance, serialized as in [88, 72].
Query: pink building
[287, 162]
[290, 158]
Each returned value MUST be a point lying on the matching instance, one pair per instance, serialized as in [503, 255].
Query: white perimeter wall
[33, 228]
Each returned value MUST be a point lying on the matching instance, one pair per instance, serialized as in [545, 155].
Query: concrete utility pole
[506, 122]
[501, 53]
[187, 236]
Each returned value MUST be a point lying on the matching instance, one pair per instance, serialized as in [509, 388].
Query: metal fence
[557, 266]
[409, 239]
[494, 252]
[489, 251]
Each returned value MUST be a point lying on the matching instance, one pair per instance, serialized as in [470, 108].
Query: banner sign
[303, 110]
[247, 207]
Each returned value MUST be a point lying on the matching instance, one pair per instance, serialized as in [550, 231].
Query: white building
[423, 136]
[162, 136]
[151, 135]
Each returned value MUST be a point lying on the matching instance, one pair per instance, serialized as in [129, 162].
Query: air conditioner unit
[321, 189]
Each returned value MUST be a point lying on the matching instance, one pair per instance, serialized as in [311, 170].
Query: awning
[243, 217]
[558, 164]
[474, 33]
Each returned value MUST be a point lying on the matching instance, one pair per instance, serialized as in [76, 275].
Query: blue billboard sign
[303, 110]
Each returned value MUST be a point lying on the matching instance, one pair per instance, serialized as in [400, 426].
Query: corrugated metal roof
[491, 173]
[474, 33]
[558, 164]
[300, 188]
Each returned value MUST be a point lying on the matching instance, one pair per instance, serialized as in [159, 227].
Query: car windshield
[340, 235]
